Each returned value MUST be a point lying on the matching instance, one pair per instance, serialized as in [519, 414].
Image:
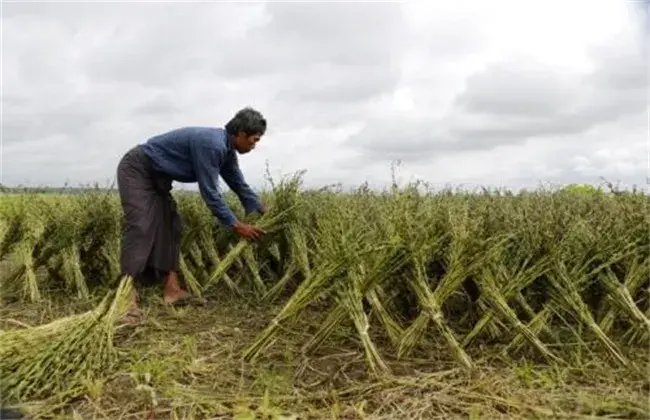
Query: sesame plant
[549, 275]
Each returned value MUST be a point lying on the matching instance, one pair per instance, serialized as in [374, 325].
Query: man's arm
[231, 173]
[206, 164]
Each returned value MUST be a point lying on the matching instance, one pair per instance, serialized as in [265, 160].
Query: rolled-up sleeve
[232, 174]
[206, 162]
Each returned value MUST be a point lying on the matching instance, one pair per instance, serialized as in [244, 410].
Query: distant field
[361, 305]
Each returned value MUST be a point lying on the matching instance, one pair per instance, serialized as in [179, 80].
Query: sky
[465, 94]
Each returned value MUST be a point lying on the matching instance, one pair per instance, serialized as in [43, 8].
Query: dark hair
[246, 120]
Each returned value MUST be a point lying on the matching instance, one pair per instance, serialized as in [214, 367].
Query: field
[355, 305]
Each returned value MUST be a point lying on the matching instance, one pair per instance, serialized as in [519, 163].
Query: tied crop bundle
[58, 357]
[268, 223]
[284, 212]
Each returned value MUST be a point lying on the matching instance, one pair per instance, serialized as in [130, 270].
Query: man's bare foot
[173, 291]
[173, 297]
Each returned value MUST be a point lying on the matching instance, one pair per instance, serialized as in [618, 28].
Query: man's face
[245, 143]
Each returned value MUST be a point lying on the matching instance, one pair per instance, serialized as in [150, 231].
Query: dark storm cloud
[518, 88]
[321, 55]
[622, 69]
[298, 35]
[513, 101]
[162, 45]
[86, 81]
[317, 51]
[537, 103]
[83, 82]
[320, 63]
[335, 84]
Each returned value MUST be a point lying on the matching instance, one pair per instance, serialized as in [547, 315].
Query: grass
[186, 363]
[355, 305]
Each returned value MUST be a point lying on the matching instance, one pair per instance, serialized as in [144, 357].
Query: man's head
[245, 129]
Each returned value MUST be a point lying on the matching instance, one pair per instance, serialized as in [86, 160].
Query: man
[152, 231]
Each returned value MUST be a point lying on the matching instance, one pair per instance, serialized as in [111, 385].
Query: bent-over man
[152, 230]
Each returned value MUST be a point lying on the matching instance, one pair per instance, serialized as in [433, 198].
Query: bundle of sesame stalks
[58, 357]
[268, 223]
[404, 270]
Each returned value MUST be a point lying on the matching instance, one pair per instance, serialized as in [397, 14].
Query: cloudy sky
[494, 93]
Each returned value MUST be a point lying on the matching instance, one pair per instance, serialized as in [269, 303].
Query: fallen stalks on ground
[61, 356]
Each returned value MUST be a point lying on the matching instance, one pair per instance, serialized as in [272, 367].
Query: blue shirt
[201, 154]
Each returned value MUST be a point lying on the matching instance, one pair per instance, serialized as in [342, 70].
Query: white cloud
[490, 93]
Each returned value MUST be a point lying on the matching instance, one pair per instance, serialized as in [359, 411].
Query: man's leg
[136, 197]
[172, 289]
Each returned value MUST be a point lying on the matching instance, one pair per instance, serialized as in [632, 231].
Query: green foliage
[582, 189]
[525, 272]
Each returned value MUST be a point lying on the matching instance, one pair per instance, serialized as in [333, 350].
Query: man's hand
[246, 231]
